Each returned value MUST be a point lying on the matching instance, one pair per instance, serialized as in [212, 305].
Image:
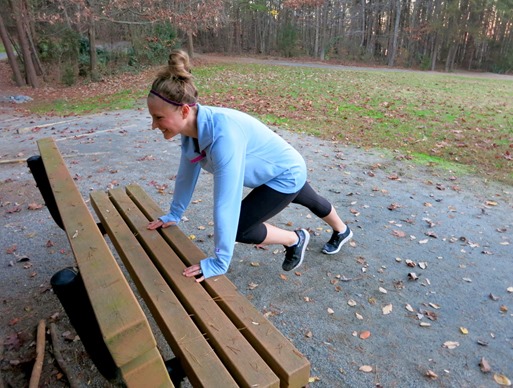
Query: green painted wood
[241, 359]
[202, 366]
[287, 362]
[124, 327]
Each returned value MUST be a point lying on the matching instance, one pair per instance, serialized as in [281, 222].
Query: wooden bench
[218, 336]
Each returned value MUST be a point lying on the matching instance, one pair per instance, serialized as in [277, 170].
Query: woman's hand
[159, 224]
[194, 271]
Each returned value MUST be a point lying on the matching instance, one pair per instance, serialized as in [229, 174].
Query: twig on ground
[40, 354]
[73, 381]
[2, 385]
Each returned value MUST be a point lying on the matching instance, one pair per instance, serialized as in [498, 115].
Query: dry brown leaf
[387, 309]
[431, 374]
[398, 233]
[365, 334]
[252, 286]
[283, 277]
[34, 206]
[502, 380]
[484, 365]
[451, 344]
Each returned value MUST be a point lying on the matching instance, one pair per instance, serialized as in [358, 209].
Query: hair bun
[179, 65]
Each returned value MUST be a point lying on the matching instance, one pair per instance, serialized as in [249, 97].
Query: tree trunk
[393, 51]
[93, 58]
[190, 44]
[30, 71]
[10, 54]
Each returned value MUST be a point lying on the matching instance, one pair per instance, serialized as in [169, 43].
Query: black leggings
[263, 203]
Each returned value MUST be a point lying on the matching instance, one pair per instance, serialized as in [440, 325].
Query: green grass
[126, 99]
[439, 119]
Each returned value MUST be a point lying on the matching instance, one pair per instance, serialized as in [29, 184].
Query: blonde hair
[174, 82]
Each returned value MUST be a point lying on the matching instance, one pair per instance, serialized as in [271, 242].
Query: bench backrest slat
[122, 322]
[281, 355]
[201, 364]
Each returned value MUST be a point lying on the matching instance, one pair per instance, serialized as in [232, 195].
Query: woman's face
[166, 117]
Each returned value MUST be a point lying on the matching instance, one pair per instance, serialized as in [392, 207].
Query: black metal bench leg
[69, 288]
[37, 167]
[175, 370]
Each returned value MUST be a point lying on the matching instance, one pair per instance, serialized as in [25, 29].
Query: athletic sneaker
[294, 255]
[336, 241]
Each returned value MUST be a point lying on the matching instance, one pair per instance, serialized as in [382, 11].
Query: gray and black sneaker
[294, 255]
[336, 241]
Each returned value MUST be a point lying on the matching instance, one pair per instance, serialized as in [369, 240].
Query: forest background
[60, 41]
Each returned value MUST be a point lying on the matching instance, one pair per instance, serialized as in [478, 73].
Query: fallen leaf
[313, 379]
[451, 344]
[255, 264]
[501, 380]
[252, 286]
[365, 334]
[382, 290]
[351, 303]
[398, 233]
[510, 289]
[365, 368]
[330, 311]
[431, 374]
[358, 316]
[493, 297]
[387, 309]
[309, 334]
[484, 365]
[283, 277]
[34, 206]
[11, 249]
[409, 308]
[464, 330]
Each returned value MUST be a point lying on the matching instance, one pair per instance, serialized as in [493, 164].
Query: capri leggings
[263, 203]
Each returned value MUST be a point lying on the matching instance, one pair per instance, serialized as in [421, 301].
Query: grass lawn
[456, 122]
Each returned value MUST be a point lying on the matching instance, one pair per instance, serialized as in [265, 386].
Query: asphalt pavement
[420, 297]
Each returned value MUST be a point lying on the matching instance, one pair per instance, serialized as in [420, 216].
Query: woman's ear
[185, 111]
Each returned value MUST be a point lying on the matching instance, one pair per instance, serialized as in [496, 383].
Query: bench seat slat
[241, 359]
[124, 327]
[286, 361]
[201, 364]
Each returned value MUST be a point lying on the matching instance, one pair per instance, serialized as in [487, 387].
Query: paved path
[456, 229]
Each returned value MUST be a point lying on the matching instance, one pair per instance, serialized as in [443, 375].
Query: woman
[239, 151]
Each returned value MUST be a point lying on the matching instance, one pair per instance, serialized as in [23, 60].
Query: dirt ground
[422, 296]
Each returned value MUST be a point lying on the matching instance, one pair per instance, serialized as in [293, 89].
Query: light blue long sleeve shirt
[239, 151]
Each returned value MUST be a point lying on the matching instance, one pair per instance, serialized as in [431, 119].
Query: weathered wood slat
[124, 327]
[286, 361]
[201, 364]
[240, 358]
